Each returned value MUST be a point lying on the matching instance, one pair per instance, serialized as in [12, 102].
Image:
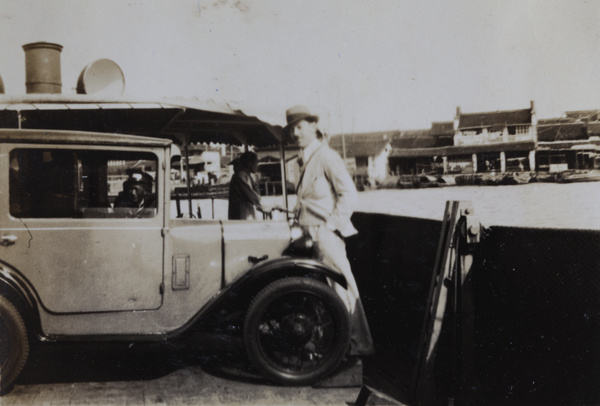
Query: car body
[75, 267]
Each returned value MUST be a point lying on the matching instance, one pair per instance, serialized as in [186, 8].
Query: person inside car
[137, 191]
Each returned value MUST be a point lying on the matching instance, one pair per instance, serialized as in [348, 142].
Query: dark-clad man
[244, 196]
[326, 197]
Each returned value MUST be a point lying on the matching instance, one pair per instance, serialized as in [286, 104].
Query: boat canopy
[184, 121]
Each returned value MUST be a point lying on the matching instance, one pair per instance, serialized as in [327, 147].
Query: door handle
[255, 260]
[8, 240]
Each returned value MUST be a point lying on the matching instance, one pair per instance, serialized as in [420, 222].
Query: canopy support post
[187, 173]
[283, 173]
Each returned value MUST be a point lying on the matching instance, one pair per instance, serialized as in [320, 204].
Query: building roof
[439, 128]
[569, 145]
[480, 120]
[461, 150]
[562, 132]
[560, 120]
[361, 144]
[409, 139]
[584, 115]
[593, 129]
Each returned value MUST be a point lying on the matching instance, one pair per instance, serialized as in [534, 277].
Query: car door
[78, 251]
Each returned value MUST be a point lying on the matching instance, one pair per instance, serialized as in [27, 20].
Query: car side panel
[249, 241]
[196, 244]
[197, 240]
[79, 266]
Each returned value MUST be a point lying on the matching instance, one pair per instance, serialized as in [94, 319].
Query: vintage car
[74, 266]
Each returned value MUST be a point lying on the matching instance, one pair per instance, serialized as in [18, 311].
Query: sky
[361, 65]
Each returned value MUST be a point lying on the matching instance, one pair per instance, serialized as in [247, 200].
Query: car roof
[78, 137]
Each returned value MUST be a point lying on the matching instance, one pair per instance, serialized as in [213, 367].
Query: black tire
[296, 331]
[14, 344]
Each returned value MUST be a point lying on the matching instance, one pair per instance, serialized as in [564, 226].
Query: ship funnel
[42, 67]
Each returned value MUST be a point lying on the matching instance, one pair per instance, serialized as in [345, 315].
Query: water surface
[548, 205]
[573, 205]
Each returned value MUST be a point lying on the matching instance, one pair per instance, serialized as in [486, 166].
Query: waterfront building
[501, 142]
[205, 166]
[366, 155]
[269, 168]
[570, 142]
[508, 138]
[488, 142]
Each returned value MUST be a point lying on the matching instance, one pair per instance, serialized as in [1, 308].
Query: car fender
[293, 267]
[242, 290]
[264, 272]
[15, 287]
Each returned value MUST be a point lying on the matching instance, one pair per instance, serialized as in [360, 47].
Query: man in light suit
[326, 197]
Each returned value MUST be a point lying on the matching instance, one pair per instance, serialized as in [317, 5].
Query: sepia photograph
[319, 202]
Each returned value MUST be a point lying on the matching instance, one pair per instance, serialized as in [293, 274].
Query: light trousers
[331, 249]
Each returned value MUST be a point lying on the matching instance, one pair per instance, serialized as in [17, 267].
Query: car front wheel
[296, 331]
[14, 344]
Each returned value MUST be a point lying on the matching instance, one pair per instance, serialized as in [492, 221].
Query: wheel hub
[298, 329]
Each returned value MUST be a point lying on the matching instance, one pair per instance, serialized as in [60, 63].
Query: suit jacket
[326, 192]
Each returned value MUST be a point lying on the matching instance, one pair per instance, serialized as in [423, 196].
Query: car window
[68, 183]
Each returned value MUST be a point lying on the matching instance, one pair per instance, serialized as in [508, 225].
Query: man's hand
[264, 208]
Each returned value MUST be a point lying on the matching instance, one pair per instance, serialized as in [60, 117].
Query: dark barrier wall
[536, 295]
[537, 316]
[393, 258]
